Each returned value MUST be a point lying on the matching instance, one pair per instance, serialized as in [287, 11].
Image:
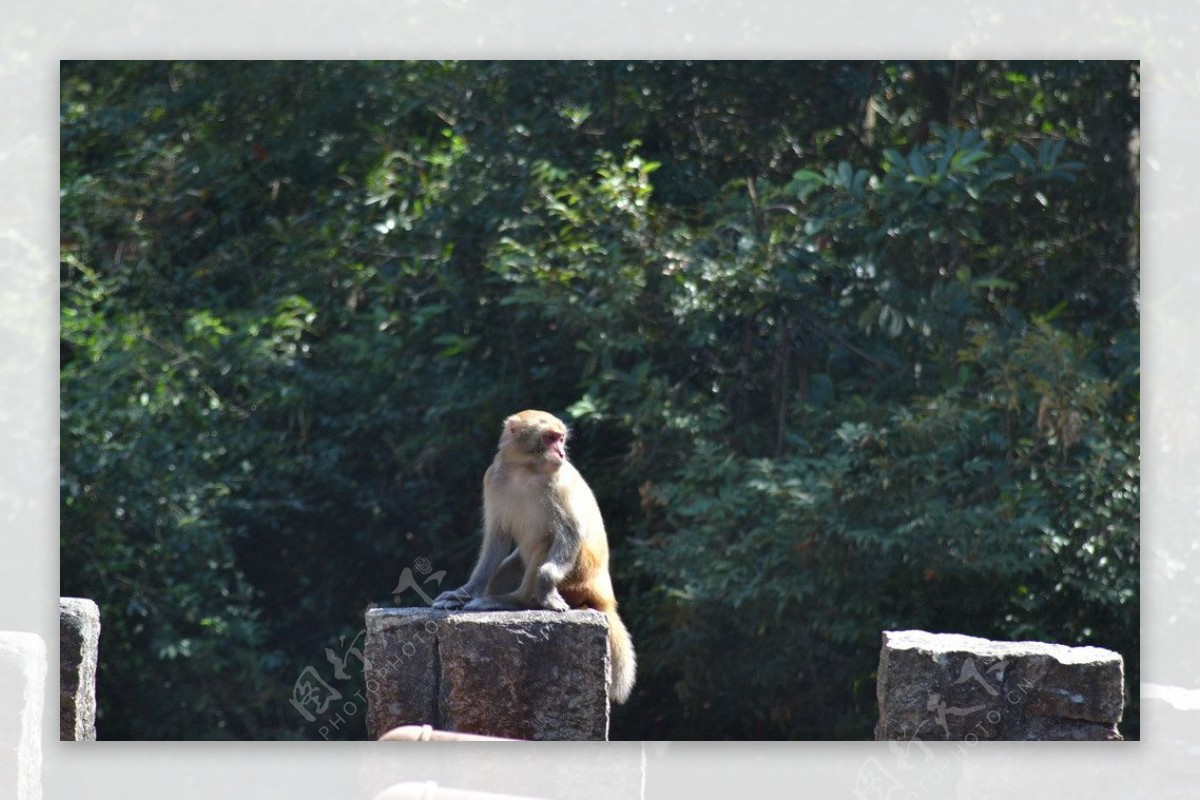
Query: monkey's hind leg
[508, 576]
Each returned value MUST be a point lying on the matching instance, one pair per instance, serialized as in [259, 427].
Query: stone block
[401, 668]
[955, 687]
[534, 675]
[78, 651]
[22, 698]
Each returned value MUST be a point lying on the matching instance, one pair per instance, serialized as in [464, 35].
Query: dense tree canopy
[846, 347]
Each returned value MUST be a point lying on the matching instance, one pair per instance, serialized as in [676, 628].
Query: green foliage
[847, 347]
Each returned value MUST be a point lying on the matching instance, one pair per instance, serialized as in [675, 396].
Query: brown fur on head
[537, 434]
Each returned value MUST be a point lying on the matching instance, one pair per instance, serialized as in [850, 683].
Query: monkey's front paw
[451, 599]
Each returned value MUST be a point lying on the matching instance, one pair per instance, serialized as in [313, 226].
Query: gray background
[35, 34]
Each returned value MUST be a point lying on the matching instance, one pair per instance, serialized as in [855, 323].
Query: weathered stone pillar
[523, 675]
[954, 687]
[78, 649]
[22, 697]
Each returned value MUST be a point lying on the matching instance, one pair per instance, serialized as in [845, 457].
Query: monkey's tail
[622, 656]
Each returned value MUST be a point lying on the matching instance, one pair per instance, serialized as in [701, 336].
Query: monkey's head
[535, 438]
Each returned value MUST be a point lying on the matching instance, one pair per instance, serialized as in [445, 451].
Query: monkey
[535, 499]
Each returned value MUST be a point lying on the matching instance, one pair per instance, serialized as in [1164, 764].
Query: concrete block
[955, 687]
[78, 643]
[534, 675]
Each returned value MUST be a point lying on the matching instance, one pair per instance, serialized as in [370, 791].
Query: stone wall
[522, 675]
[954, 687]
[78, 644]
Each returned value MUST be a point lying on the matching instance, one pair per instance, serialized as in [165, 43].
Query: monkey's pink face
[556, 445]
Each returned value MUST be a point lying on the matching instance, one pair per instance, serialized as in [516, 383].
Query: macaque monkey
[535, 499]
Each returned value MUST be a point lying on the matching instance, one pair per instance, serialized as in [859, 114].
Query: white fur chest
[525, 502]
